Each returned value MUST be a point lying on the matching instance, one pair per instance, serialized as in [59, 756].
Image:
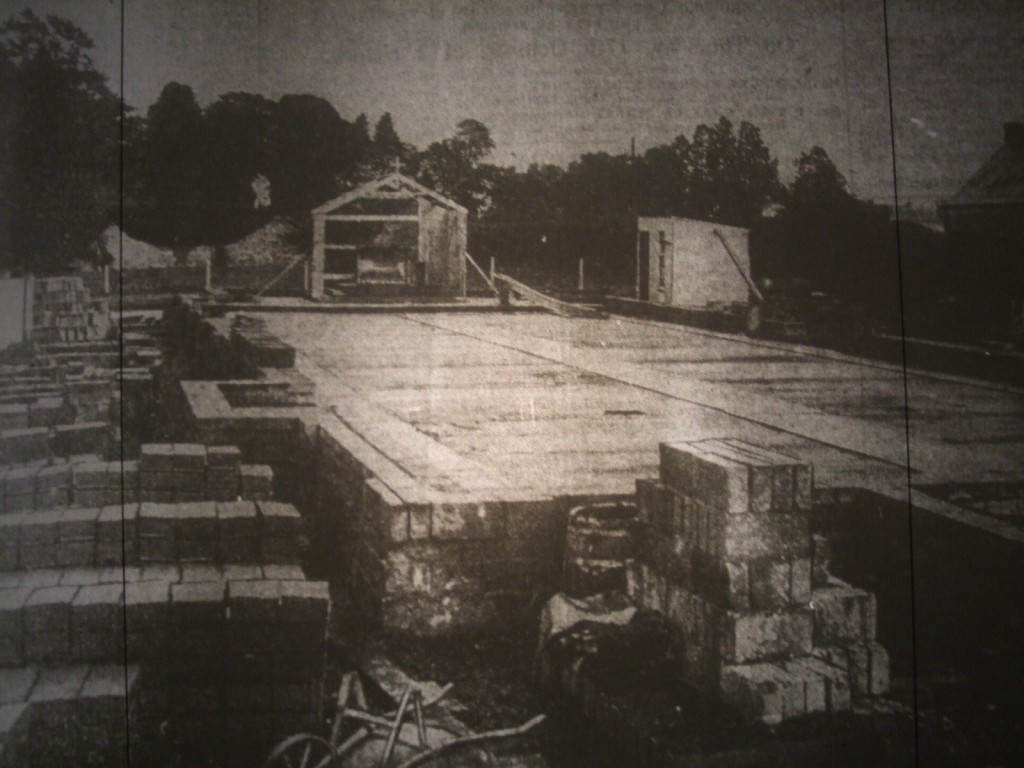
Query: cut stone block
[747, 637]
[15, 684]
[843, 613]
[80, 438]
[256, 481]
[188, 457]
[117, 535]
[659, 507]
[223, 456]
[821, 560]
[238, 532]
[388, 514]
[46, 618]
[20, 446]
[14, 416]
[48, 411]
[55, 476]
[866, 663]
[20, 481]
[737, 477]
[11, 602]
[156, 457]
[97, 632]
[748, 537]
[147, 619]
[10, 530]
[91, 475]
[254, 602]
[697, 474]
[756, 690]
[655, 590]
[834, 679]
[189, 481]
[777, 584]
[59, 683]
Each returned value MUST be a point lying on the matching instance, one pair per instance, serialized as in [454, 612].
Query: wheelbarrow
[401, 738]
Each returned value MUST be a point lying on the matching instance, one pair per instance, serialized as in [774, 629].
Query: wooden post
[27, 297]
[581, 275]
[106, 279]
[209, 274]
[316, 277]
[492, 268]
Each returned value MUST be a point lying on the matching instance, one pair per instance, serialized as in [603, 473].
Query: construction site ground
[577, 407]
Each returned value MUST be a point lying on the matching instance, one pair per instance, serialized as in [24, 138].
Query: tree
[61, 133]
[170, 174]
[733, 175]
[472, 140]
[386, 144]
[831, 240]
[237, 131]
[452, 166]
[666, 179]
[309, 150]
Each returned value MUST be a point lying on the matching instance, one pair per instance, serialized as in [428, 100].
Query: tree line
[182, 174]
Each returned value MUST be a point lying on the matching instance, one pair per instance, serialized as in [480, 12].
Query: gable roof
[397, 181]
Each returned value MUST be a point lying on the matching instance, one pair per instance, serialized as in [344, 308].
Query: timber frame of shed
[392, 235]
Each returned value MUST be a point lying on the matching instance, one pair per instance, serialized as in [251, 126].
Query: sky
[555, 78]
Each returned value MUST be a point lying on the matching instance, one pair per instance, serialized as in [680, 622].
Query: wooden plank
[736, 263]
[371, 217]
[563, 308]
[484, 275]
[277, 278]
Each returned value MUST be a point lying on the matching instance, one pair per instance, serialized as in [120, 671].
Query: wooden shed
[393, 233]
[690, 263]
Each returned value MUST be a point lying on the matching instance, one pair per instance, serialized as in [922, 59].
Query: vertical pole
[106, 279]
[208, 277]
[492, 268]
[26, 308]
[316, 278]
[581, 275]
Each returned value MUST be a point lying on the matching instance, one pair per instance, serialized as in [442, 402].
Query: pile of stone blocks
[66, 715]
[206, 602]
[425, 561]
[21, 446]
[254, 343]
[64, 310]
[268, 533]
[234, 661]
[193, 472]
[726, 554]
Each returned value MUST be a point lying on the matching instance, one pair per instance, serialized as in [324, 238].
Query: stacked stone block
[253, 342]
[193, 472]
[727, 556]
[63, 310]
[231, 653]
[426, 561]
[240, 532]
[65, 715]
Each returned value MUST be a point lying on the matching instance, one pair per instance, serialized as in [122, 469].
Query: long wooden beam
[484, 275]
[739, 268]
[563, 308]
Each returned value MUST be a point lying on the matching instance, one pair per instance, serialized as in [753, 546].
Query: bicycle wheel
[303, 750]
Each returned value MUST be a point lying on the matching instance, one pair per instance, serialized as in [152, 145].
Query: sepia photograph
[520, 383]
